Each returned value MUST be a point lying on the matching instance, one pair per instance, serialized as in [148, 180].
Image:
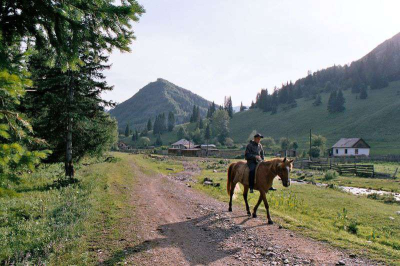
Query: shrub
[331, 174]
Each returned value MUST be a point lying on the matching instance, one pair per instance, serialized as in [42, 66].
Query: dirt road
[177, 225]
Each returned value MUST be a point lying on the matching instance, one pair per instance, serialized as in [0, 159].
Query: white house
[351, 147]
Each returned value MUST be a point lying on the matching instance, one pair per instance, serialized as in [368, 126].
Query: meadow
[359, 224]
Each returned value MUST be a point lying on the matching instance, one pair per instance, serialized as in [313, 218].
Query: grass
[357, 223]
[46, 224]
[374, 119]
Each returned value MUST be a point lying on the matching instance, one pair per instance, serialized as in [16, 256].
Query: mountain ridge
[160, 96]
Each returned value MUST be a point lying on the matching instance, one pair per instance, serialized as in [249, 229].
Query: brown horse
[265, 174]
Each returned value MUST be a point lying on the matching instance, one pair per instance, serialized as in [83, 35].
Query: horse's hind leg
[245, 191]
[256, 207]
[231, 195]
[264, 197]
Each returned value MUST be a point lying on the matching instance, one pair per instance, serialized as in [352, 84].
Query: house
[350, 147]
[183, 144]
[208, 150]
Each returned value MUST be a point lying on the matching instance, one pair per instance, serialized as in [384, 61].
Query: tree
[314, 152]
[284, 143]
[201, 124]
[242, 108]
[229, 106]
[207, 133]
[339, 103]
[197, 137]
[134, 136]
[195, 117]
[268, 144]
[318, 100]
[149, 125]
[294, 145]
[63, 35]
[220, 125]
[332, 102]
[144, 141]
[363, 93]
[318, 141]
[211, 109]
[181, 134]
[127, 130]
[159, 141]
[171, 121]
[51, 109]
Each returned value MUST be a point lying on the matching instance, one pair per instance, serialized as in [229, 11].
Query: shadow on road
[199, 240]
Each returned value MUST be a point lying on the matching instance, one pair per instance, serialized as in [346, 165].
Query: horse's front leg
[256, 207]
[264, 198]
[245, 191]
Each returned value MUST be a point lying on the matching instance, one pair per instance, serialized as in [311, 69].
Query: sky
[218, 48]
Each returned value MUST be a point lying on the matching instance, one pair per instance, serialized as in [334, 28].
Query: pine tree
[49, 27]
[127, 130]
[340, 100]
[363, 93]
[332, 102]
[201, 124]
[242, 108]
[159, 141]
[149, 125]
[318, 100]
[181, 134]
[207, 132]
[171, 121]
[229, 106]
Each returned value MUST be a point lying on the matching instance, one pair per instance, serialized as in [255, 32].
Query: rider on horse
[254, 154]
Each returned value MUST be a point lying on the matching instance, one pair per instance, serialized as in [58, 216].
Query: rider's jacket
[252, 150]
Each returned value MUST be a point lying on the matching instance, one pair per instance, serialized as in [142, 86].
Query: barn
[350, 147]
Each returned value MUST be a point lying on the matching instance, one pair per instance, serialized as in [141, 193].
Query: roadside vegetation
[47, 221]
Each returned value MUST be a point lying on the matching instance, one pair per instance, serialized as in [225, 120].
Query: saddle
[242, 173]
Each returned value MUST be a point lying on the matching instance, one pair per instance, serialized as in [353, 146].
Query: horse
[266, 171]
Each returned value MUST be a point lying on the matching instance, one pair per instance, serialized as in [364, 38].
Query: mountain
[155, 98]
[291, 111]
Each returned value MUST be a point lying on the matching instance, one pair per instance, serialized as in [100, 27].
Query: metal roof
[346, 143]
[183, 142]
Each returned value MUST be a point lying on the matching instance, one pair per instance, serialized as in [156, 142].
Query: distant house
[350, 147]
[183, 144]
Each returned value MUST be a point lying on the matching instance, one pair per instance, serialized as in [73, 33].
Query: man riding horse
[254, 154]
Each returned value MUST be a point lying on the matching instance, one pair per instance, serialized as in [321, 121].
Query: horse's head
[283, 170]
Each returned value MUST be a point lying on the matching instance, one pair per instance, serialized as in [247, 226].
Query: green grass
[351, 222]
[375, 119]
[67, 225]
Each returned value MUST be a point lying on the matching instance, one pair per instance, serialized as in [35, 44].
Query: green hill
[375, 119]
[155, 98]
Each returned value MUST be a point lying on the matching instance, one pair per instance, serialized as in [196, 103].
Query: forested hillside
[375, 119]
[156, 98]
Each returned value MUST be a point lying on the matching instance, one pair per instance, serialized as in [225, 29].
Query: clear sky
[217, 48]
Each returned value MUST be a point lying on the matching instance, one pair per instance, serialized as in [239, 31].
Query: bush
[331, 174]
[352, 227]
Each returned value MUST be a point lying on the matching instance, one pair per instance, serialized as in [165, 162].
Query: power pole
[310, 146]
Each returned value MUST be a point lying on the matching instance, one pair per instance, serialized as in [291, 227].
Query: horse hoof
[254, 215]
[230, 209]
[270, 222]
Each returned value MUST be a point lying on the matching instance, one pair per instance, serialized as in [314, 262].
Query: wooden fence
[365, 170]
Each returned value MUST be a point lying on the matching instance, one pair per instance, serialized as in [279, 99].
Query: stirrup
[251, 190]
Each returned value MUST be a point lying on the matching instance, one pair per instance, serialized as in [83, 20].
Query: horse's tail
[229, 179]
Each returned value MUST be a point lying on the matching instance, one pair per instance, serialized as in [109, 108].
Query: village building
[184, 147]
[350, 147]
[183, 144]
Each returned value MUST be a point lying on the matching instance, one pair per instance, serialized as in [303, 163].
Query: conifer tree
[127, 130]
[332, 102]
[340, 100]
[149, 125]
[171, 121]
[363, 93]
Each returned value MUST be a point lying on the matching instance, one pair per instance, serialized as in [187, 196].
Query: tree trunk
[69, 167]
